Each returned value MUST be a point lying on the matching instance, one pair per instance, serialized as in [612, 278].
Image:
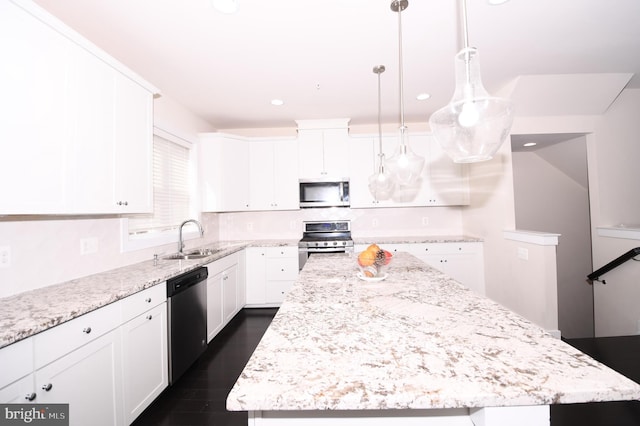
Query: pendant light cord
[380, 154]
[401, 71]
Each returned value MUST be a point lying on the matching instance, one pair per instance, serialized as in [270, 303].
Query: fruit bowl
[373, 263]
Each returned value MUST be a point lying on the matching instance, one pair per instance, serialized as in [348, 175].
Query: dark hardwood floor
[621, 354]
[198, 398]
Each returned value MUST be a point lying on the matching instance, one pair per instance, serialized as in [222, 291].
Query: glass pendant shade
[381, 184]
[474, 124]
[405, 166]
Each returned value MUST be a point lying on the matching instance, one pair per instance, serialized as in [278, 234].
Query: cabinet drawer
[447, 248]
[282, 269]
[277, 291]
[60, 340]
[19, 356]
[282, 252]
[142, 301]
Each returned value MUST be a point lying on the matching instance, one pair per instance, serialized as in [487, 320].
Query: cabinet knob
[148, 300]
[149, 316]
[123, 203]
[30, 396]
[86, 330]
[47, 387]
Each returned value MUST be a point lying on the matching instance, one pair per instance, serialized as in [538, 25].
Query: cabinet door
[285, 175]
[33, 115]
[223, 164]
[133, 126]
[19, 392]
[230, 293]
[335, 152]
[91, 115]
[215, 318]
[256, 258]
[448, 181]
[261, 175]
[310, 154]
[89, 380]
[144, 360]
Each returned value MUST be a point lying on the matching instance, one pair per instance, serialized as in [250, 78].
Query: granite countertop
[25, 314]
[417, 239]
[417, 340]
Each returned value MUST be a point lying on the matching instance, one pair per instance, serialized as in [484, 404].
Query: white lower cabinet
[108, 364]
[144, 360]
[89, 379]
[270, 273]
[225, 292]
[462, 261]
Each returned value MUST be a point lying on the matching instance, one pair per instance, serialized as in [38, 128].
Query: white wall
[45, 250]
[616, 200]
[548, 200]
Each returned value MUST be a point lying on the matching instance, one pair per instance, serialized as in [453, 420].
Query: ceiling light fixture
[381, 184]
[225, 6]
[529, 144]
[404, 165]
[277, 102]
[474, 124]
[423, 96]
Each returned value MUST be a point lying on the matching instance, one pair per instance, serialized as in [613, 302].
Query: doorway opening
[551, 194]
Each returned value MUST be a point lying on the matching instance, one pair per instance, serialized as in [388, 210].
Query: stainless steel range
[319, 237]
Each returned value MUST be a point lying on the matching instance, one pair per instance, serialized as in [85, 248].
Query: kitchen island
[416, 348]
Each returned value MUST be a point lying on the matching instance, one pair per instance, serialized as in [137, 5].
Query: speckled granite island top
[417, 340]
[31, 312]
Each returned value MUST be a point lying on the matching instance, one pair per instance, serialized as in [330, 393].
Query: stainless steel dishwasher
[187, 328]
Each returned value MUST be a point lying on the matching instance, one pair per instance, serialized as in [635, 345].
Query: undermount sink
[191, 255]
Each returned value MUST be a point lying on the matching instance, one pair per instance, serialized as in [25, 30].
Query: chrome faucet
[180, 242]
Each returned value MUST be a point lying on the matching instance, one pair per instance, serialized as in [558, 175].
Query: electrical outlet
[425, 221]
[374, 223]
[249, 226]
[88, 245]
[5, 256]
[523, 253]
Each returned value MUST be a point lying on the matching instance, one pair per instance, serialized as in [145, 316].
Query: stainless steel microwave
[324, 193]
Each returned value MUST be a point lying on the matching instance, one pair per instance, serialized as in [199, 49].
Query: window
[171, 196]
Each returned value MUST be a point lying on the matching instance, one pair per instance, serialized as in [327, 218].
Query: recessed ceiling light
[277, 102]
[528, 144]
[225, 6]
[423, 96]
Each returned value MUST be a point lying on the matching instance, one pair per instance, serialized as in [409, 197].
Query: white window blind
[170, 189]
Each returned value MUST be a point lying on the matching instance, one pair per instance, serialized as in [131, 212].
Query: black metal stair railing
[595, 276]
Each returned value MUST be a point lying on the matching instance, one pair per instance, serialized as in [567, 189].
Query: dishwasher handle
[183, 282]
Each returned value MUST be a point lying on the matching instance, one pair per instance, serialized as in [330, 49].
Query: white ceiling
[318, 55]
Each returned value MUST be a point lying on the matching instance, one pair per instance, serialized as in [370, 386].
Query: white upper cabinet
[223, 164]
[77, 127]
[443, 182]
[323, 149]
[273, 171]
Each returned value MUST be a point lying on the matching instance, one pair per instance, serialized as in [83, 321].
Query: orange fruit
[374, 248]
[366, 258]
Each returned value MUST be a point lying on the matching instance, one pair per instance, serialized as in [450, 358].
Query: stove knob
[326, 244]
[335, 243]
[344, 243]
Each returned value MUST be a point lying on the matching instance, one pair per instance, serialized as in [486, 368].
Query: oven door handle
[322, 250]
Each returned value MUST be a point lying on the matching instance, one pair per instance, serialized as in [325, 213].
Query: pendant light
[380, 183]
[474, 124]
[405, 166]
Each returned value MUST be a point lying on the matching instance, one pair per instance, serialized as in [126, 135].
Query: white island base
[537, 415]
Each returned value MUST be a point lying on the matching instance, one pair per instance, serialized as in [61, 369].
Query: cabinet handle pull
[30, 396]
[149, 316]
[148, 300]
[86, 330]
[47, 387]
